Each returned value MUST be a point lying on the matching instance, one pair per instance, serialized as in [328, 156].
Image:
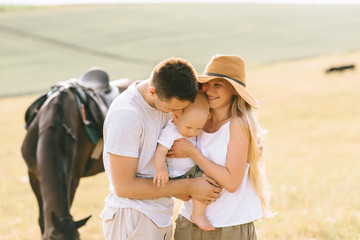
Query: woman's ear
[234, 96]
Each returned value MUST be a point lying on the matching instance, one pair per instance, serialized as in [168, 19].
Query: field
[312, 154]
[312, 148]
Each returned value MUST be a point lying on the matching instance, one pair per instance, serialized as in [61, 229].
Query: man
[136, 208]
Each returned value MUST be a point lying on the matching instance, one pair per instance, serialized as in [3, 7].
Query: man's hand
[127, 185]
[183, 197]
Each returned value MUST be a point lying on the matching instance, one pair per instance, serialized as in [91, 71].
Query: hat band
[224, 76]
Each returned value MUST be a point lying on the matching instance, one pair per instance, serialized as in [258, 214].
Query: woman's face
[219, 93]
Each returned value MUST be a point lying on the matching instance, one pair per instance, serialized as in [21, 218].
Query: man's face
[173, 105]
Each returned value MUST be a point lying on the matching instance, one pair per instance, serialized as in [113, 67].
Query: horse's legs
[80, 158]
[35, 185]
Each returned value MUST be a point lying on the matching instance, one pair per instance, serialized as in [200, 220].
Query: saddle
[93, 93]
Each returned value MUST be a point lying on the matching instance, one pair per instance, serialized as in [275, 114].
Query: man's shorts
[130, 224]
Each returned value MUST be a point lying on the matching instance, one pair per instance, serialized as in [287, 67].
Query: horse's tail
[29, 145]
[33, 109]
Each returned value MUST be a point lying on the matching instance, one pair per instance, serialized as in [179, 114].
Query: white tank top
[230, 209]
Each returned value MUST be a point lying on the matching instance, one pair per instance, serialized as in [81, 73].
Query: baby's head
[193, 117]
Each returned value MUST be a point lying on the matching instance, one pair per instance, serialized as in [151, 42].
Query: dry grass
[312, 154]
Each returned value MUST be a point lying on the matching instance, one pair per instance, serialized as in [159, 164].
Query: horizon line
[103, 2]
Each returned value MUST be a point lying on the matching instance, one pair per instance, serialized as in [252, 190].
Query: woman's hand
[182, 148]
[205, 189]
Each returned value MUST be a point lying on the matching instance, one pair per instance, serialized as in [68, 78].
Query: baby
[188, 125]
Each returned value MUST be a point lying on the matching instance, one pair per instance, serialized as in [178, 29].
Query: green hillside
[40, 46]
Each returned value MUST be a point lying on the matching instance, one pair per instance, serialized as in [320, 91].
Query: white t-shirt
[131, 129]
[230, 209]
[176, 166]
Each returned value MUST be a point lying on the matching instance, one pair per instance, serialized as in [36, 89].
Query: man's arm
[127, 185]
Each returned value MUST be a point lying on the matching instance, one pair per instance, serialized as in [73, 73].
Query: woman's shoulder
[237, 124]
[237, 121]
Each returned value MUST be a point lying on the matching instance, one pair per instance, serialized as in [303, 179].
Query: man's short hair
[175, 77]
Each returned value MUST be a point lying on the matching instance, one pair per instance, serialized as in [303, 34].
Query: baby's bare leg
[198, 216]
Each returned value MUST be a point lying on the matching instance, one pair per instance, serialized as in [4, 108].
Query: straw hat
[232, 69]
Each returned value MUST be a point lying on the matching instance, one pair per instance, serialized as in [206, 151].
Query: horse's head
[65, 228]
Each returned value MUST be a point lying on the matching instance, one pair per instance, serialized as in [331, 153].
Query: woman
[229, 151]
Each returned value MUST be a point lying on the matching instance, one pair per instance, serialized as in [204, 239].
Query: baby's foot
[202, 222]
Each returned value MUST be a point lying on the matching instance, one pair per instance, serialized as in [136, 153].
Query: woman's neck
[221, 114]
[218, 117]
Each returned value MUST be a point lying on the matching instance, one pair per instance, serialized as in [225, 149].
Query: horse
[64, 143]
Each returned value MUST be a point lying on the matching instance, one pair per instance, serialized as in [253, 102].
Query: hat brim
[241, 90]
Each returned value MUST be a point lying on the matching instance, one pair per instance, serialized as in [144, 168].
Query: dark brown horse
[64, 143]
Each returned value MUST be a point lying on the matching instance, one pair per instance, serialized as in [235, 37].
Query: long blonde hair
[243, 111]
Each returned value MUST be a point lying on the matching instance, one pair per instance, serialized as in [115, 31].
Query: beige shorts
[130, 224]
[186, 230]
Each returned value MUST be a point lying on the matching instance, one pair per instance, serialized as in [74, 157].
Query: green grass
[311, 151]
[17, 8]
[43, 45]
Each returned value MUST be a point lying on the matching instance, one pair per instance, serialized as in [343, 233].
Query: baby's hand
[161, 177]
